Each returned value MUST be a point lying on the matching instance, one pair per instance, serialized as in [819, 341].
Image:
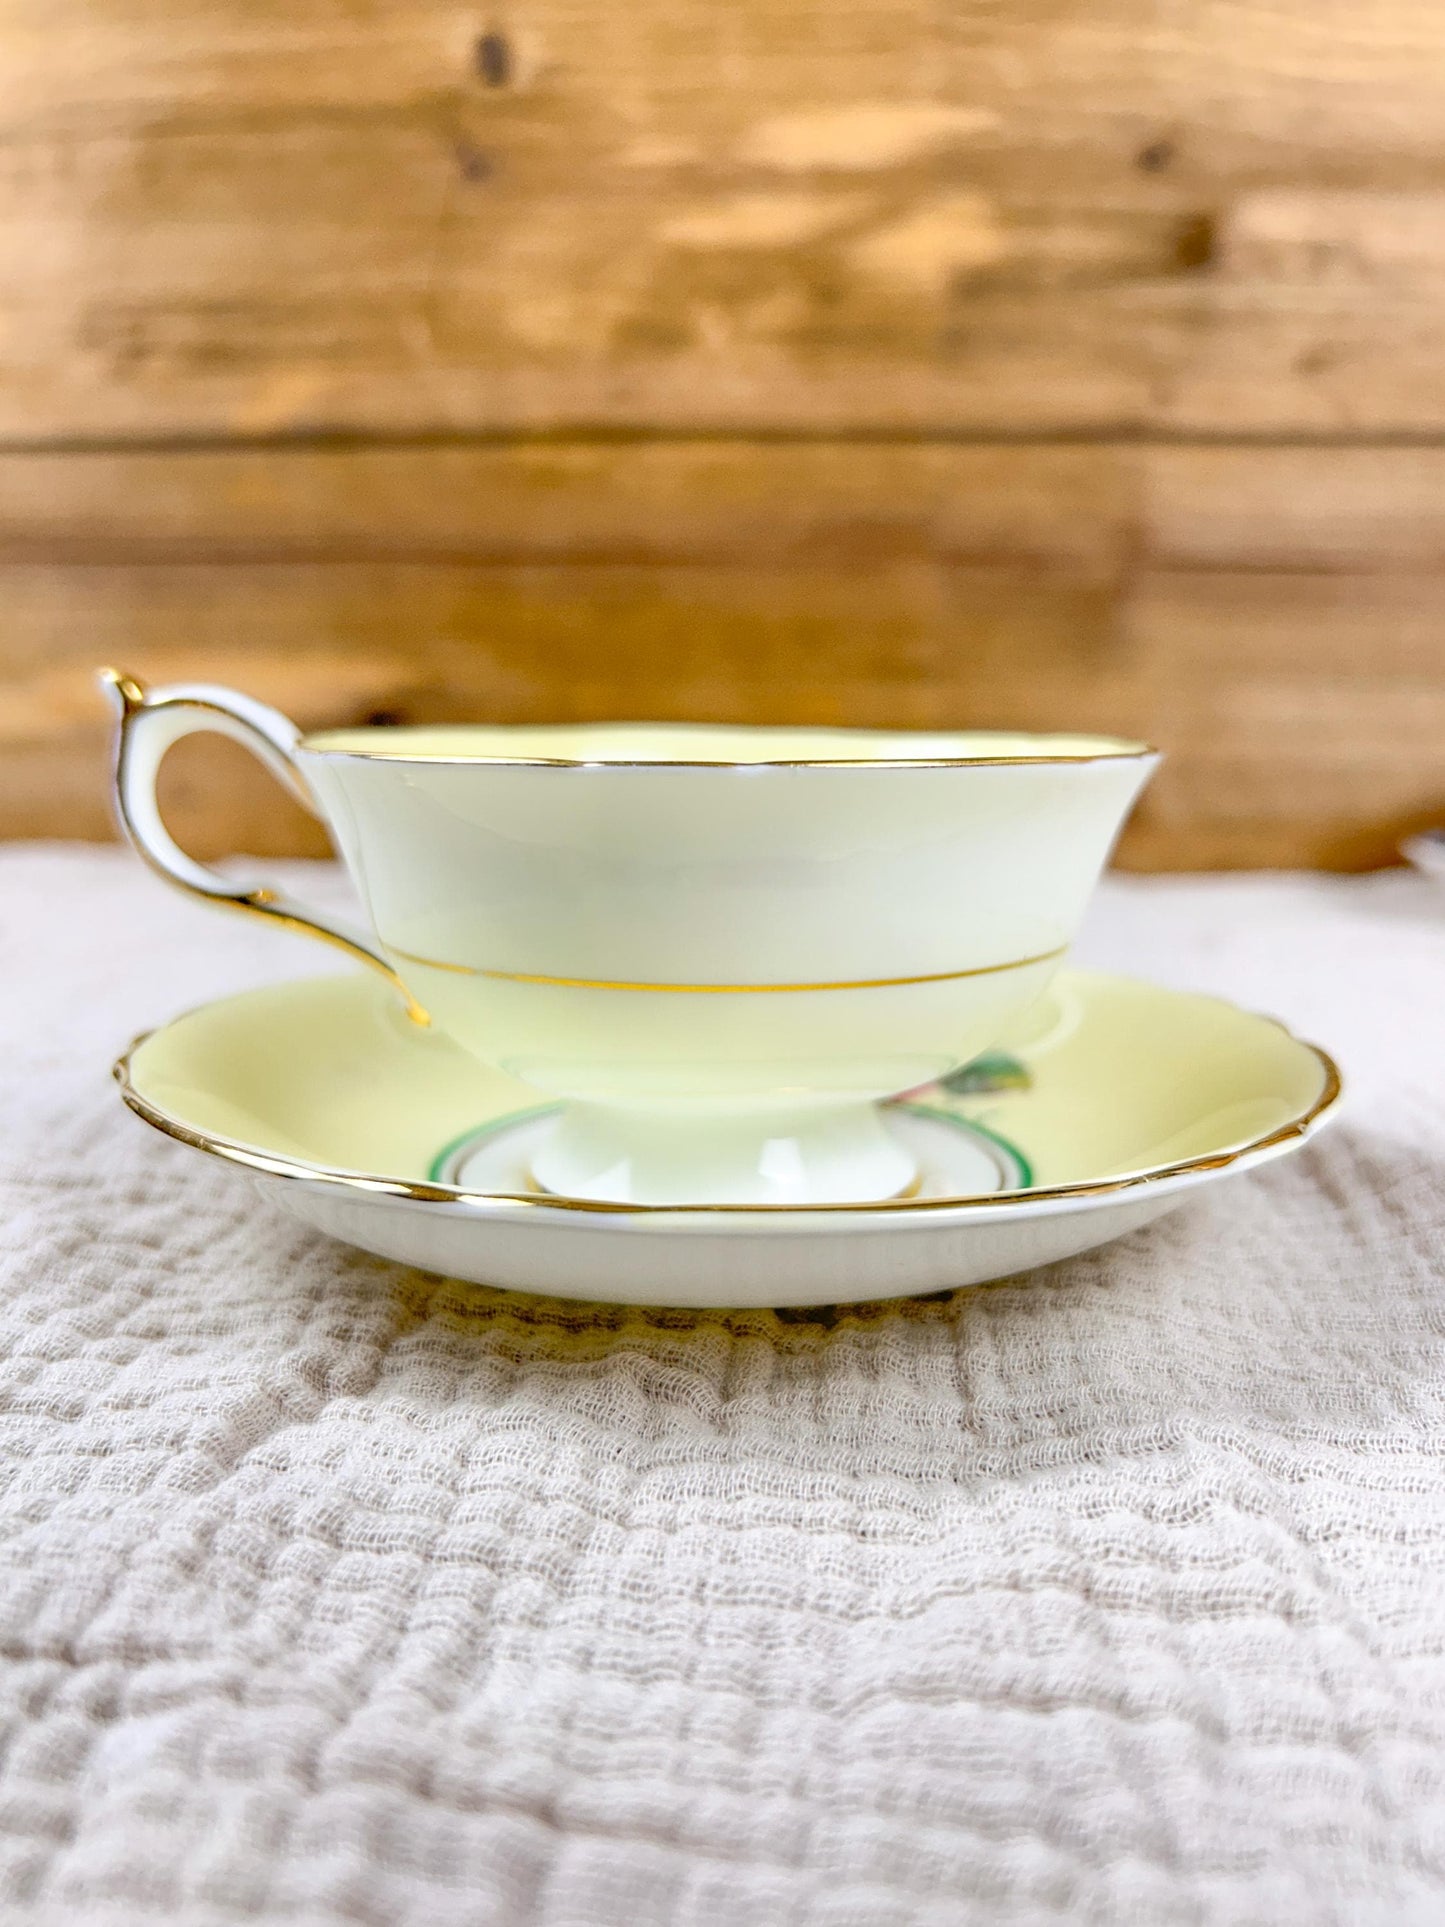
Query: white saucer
[1107, 1107]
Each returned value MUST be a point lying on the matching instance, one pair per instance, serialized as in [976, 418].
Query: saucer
[1112, 1102]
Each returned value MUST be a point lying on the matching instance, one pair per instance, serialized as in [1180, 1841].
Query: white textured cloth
[333, 1592]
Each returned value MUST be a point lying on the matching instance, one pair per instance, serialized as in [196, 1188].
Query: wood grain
[956, 364]
[1269, 617]
[240, 220]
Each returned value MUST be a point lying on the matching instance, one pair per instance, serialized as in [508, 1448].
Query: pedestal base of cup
[837, 1155]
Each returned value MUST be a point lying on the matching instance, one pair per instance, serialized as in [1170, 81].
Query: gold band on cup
[725, 990]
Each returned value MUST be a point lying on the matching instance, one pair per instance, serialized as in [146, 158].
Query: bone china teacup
[717, 946]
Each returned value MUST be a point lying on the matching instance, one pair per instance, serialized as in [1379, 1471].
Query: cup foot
[837, 1155]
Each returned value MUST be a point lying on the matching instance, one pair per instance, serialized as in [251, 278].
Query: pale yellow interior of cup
[705, 743]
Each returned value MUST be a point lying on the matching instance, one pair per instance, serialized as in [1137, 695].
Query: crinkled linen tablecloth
[333, 1592]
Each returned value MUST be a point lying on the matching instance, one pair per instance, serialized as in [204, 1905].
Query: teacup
[718, 946]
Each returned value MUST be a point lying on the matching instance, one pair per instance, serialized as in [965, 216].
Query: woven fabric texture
[337, 1593]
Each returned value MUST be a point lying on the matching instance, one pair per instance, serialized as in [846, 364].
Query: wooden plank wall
[860, 362]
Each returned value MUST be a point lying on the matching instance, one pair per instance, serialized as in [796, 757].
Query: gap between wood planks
[602, 435]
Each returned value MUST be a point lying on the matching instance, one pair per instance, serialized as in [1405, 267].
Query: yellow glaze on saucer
[1116, 1099]
[1127, 1082]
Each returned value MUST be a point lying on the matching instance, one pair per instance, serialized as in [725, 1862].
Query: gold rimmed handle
[150, 721]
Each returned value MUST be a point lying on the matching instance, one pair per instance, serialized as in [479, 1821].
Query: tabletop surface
[334, 1592]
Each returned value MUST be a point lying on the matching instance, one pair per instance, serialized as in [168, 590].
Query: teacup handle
[151, 720]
